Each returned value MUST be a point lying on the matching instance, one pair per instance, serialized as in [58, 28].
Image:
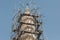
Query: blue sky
[49, 8]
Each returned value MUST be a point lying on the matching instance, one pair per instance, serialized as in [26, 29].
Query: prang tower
[28, 26]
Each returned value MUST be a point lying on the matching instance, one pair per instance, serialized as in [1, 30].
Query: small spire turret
[27, 10]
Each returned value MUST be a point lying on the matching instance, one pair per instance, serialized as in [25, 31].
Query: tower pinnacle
[27, 10]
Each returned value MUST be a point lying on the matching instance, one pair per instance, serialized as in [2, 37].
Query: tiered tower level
[28, 27]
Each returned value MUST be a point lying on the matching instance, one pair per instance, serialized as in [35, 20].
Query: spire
[27, 10]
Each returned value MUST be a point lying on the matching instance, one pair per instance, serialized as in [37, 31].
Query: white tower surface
[28, 28]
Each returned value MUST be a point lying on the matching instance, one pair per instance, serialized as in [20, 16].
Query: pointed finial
[27, 10]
